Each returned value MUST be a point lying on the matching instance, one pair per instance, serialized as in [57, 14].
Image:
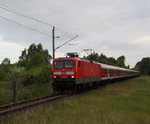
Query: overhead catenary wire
[24, 26]
[66, 42]
[21, 14]
[36, 30]
[4, 7]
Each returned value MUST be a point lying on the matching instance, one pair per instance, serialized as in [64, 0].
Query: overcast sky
[112, 27]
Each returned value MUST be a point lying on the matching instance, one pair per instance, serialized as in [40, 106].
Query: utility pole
[53, 41]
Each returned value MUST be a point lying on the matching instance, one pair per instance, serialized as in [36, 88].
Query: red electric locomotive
[74, 73]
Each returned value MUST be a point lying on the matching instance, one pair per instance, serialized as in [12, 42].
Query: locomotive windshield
[58, 64]
[64, 64]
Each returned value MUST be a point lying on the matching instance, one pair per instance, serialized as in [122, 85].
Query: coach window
[114, 72]
[110, 72]
[104, 71]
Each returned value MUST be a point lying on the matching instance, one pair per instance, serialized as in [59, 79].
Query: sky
[111, 27]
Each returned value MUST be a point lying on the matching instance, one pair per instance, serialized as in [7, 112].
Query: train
[72, 73]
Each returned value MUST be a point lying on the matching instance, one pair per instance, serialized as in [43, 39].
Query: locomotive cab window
[68, 64]
[58, 64]
[64, 64]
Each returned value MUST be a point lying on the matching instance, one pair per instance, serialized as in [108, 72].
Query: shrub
[5, 71]
[39, 74]
[2, 74]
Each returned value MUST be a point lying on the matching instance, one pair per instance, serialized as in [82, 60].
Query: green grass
[24, 93]
[4, 85]
[126, 102]
[5, 92]
[35, 90]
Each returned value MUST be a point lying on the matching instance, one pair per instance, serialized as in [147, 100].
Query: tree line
[34, 65]
[120, 61]
[143, 66]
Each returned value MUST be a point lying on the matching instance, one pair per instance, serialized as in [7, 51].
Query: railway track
[19, 106]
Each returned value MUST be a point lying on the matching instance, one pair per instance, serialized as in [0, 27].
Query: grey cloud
[101, 24]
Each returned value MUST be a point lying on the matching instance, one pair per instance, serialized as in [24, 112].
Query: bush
[34, 90]
[5, 71]
[39, 74]
[2, 74]
[5, 97]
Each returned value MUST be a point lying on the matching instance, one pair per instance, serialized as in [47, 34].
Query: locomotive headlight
[72, 76]
[55, 76]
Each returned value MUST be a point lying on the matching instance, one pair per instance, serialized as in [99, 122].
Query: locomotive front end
[64, 74]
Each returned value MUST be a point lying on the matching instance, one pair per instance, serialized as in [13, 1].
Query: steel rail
[19, 106]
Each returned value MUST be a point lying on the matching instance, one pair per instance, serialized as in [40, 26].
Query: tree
[121, 61]
[5, 69]
[112, 61]
[33, 49]
[36, 60]
[137, 66]
[144, 66]
[103, 59]
[93, 56]
[6, 61]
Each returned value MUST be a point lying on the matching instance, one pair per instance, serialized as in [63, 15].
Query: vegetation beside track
[31, 91]
[31, 74]
[126, 102]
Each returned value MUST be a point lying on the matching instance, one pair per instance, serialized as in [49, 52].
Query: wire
[21, 14]
[64, 32]
[66, 42]
[25, 26]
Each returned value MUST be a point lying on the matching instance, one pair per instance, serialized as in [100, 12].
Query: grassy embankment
[5, 92]
[28, 92]
[126, 102]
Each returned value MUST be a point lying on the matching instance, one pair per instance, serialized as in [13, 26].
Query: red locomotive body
[76, 73]
[87, 71]
[69, 73]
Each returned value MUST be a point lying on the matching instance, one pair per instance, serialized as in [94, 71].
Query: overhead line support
[53, 42]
